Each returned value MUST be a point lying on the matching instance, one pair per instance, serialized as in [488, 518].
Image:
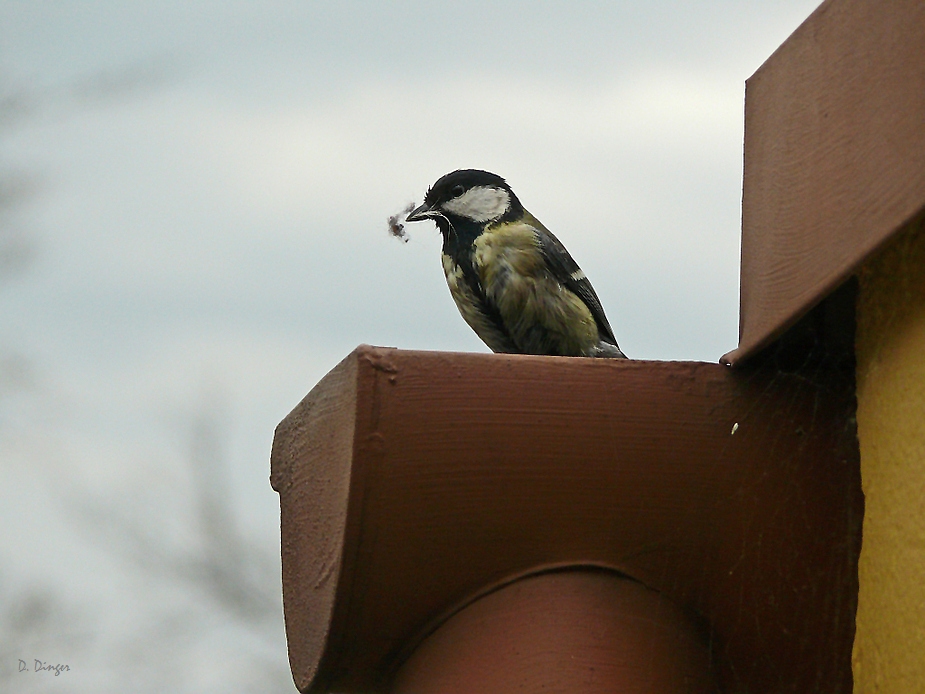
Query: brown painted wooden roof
[414, 483]
[834, 158]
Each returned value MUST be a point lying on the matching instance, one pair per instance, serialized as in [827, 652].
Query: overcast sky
[210, 188]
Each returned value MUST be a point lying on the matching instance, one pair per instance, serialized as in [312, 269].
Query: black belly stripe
[486, 309]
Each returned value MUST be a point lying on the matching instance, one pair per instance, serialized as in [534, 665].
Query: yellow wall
[889, 648]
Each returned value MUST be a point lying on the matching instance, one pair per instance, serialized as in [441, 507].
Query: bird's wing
[567, 272]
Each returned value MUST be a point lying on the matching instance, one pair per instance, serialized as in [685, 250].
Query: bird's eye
[456, 191]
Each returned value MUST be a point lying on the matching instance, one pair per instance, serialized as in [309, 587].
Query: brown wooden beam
[834, 157]
[412, 484]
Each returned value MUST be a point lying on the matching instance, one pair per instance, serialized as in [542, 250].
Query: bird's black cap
[457, 182]
[465, 179]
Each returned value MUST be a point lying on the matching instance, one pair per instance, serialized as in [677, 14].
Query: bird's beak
[420, 213]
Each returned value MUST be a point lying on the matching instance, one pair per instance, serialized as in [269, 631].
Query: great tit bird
[512, 280]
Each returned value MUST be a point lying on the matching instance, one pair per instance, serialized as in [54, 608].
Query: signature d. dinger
[42, 666]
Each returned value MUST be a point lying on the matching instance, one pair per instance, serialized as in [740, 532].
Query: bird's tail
[609, 351]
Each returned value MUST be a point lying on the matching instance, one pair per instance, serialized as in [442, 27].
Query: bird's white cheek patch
[480, 204]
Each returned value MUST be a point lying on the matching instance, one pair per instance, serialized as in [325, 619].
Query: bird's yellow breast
[471, 308]
[536, 308]
[507, 248]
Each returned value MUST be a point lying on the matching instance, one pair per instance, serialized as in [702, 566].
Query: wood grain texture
[834, 157]
[430, 479]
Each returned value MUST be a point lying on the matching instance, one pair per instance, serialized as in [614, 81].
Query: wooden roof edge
[818, 309]
[833, 145]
